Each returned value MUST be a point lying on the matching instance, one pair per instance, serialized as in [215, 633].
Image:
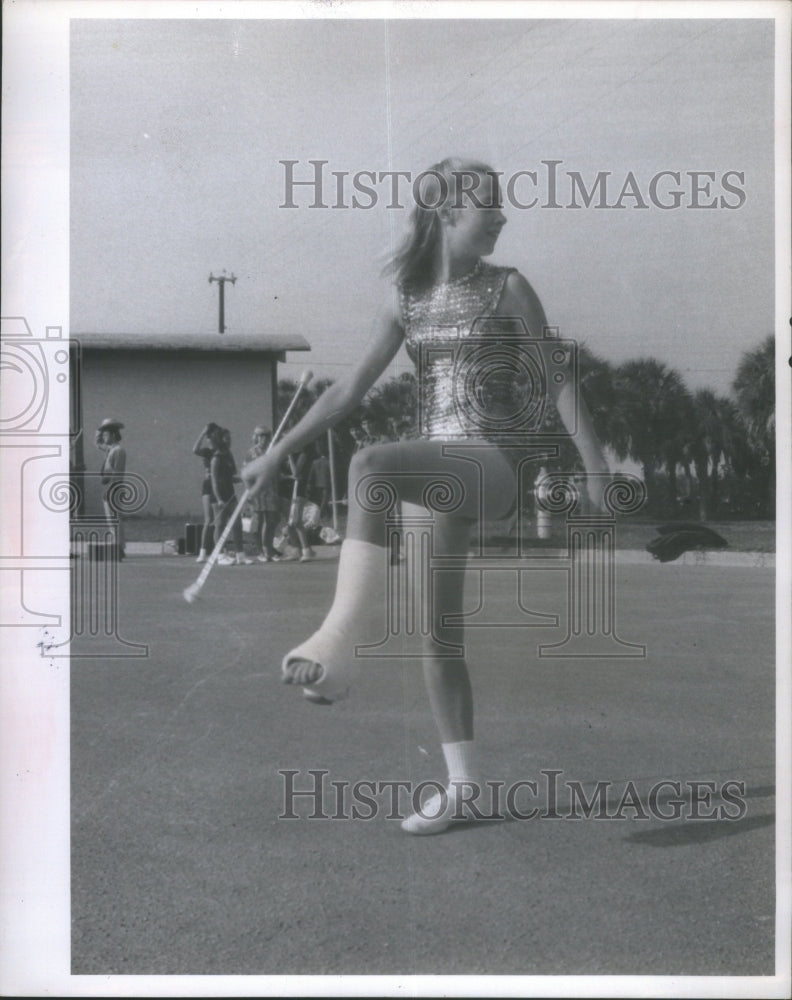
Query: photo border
[35, 692]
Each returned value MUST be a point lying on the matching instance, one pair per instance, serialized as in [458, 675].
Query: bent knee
[374, 458]
[372, 479]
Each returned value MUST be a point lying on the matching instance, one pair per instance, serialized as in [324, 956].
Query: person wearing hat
[108, 440]
[266, 504]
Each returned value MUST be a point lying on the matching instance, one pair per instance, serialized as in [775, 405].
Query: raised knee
[371, 480]
[367, 461]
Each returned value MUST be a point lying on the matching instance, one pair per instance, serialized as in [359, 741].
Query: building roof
[225, 343]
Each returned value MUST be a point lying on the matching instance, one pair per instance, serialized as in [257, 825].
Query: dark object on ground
[675, 539]
[192, 540]
[669, 526]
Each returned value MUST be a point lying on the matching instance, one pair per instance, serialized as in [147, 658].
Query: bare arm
[519, 299]
[197, 446]
[336, 402]
[214, 469]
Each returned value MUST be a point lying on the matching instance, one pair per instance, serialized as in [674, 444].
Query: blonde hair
[441, 186]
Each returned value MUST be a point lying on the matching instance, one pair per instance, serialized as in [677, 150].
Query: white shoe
[307, 555]
[243, 561]
[201, 557]
[226, 561]
[439, 811]
[263, 558]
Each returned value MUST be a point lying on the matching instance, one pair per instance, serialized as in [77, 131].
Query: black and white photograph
[396, 521]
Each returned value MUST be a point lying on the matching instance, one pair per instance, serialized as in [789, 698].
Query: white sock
[460, 758]
[439, 811]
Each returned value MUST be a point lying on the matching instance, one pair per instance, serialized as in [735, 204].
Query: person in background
[266, 504]
[108, 441]
[320, 483]
[204, 450]
[300, 463]
[224, 475]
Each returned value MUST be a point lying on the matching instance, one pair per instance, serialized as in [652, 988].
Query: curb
[638, 557]
[751, 560]
[161, 549]
[627, 557]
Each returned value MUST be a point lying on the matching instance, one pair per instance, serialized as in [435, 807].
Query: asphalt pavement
[182, 760]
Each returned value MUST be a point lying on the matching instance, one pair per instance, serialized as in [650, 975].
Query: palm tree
[651, 421]
[596, 385]
[718, 436]
[677, 430]
[754, 387]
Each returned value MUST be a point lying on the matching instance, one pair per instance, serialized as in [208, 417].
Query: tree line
[702, 454]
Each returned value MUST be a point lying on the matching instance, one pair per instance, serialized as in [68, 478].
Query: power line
[611, 90]
[290, 247]
[316, 233]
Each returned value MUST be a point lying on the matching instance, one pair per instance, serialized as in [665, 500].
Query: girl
[108, 441]
[300, 465]
[442, 290]
[204, 449]
[224, 473]
[266, 504]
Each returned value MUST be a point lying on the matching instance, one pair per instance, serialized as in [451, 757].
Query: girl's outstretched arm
[336, 402]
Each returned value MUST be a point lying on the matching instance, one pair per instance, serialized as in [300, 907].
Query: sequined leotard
[470, 385]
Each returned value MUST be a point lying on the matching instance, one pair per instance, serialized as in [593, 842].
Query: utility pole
[221, 282]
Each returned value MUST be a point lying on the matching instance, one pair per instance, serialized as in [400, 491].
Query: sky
[179, 129]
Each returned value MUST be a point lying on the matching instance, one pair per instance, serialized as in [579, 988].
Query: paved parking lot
[181, 864]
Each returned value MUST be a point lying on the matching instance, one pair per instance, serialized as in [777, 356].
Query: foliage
[642, 410]
[754, 389]
[650, 420]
